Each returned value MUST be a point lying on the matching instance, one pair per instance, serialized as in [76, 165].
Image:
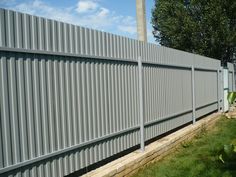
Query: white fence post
[142, 146]
[193, 95]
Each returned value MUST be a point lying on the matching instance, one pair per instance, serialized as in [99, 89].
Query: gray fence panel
[166, 90]
[206, 83]
[69, 96]
[230, 81]
[231, 76]
[164, 55]
[64, 102]
[19, 30]
[206, 91]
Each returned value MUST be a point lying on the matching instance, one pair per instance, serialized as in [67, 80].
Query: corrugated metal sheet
[19, 30]
[231, 81]
[226, 88]
[69, 96]
[230, 67]
[49, 104]
[228, 83]
[167, 92]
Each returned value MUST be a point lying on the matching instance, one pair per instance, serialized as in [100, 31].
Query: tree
[205, 27]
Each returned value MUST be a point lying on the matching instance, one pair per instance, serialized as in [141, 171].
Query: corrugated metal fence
[229, 84]
[70, 96]
[231, 80]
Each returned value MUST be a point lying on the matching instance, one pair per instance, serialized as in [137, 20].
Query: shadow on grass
[230, 168]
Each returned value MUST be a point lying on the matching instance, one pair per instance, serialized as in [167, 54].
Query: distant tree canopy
[205, 27]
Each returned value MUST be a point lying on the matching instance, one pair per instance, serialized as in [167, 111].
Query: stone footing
[131, 163]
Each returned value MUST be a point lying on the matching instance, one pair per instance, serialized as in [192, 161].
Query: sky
[114, 16]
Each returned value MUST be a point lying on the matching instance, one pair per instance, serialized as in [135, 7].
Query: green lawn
[198, 158]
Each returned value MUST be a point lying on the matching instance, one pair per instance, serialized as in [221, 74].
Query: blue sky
[114, 16]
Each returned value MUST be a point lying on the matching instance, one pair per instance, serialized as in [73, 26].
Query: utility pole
[142, 36]
[141, 20]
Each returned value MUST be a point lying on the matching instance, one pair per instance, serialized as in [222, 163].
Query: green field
[198, 158]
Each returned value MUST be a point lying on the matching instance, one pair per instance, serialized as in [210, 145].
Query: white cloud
[92, 15]
[42, 9]
[128, 29]
[84, 6]
[103, 12]
[128, 25]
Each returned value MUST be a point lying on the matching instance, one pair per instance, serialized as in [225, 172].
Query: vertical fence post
[218, 88]
[233, 79]
[228, 80]
[142, 147]
[193, 96]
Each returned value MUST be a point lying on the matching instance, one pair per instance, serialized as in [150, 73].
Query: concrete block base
[131, 163]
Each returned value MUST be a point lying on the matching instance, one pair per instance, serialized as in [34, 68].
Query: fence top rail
[42, 52]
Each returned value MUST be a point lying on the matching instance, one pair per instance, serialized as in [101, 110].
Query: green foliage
[228, 153]
[198, 26]
[231, 97]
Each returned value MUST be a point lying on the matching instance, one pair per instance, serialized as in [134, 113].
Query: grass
[198, 158]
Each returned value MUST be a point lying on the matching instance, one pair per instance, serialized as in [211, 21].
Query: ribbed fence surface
[69, 96]
[230, 67]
